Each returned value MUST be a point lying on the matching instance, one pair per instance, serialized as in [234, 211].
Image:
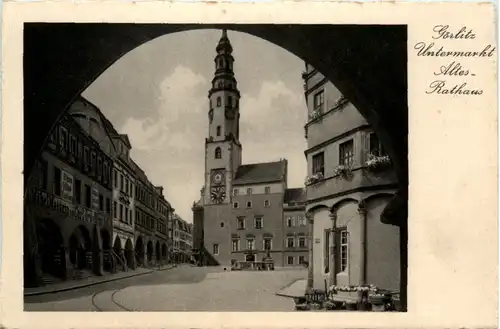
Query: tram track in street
[112, 300]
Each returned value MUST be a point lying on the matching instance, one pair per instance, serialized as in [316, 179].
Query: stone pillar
[67, 263]
[362, 258]
[333, 249]
[362, 296]
[97, 261]
[310, 228]
[133, 264]
[123, 260]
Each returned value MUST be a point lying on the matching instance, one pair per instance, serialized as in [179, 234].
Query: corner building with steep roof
[243, 216]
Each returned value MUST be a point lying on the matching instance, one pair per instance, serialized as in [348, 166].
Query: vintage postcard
[249, 165]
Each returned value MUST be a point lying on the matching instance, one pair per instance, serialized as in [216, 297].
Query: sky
[158, 95]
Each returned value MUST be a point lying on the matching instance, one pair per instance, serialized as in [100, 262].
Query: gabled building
[118, 146]
[350, 181]
[241, 206]
[68, 207]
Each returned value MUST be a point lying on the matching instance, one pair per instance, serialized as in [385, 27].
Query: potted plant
[377, 163]
[342, 171]
[313, 179]
[378, 302]
[315, 114]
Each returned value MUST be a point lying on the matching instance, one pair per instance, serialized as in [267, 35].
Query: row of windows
[267, 243]
[71, 189]
[94, 163]
[295, 221]
[258, 222]
[346, 154]
[229, 99]
[290, 260]
[267, 190]
[144, 220]
[124, 215]
[124, 184]
[236, 204]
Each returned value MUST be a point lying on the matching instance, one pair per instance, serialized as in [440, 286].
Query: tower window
[218, 153]
[218, 130]
[230, 100]
[218, 98]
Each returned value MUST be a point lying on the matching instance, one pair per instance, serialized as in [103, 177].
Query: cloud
[272, 127]
[180, 103]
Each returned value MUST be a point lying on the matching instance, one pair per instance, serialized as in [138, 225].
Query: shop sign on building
[56, 204]
[95, 198]
[66, 186]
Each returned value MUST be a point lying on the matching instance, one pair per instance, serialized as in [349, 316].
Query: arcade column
[310, 229]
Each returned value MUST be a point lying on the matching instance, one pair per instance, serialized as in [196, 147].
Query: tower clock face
[218, 194]
[218, 177]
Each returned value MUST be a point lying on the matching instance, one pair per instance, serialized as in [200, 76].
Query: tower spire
[224, 46]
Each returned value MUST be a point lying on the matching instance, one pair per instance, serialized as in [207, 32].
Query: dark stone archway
[158, 252]
[367, 63]
[106, 247]
[129, 254]
[139, 251]
[51, 248]
[164, 252]
[80, 249]
[149, 252]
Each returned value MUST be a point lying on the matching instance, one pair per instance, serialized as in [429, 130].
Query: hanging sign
[66, 186]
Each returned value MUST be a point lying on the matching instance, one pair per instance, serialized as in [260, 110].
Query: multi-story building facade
[350, 182]
[242, 204]
[68, 207]
[117, 146]
[295, 228]
[182, 241]
[148, 243]
[164, 211]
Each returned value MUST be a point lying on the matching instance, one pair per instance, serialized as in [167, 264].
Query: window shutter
[365, 147]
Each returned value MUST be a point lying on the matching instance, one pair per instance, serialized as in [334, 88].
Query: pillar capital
[310, 217]
[362, 209]
[332, 215]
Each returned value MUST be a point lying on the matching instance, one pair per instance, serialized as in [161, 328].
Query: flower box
[313, 179]
[315, 114]
[343, 172]
[377, 163]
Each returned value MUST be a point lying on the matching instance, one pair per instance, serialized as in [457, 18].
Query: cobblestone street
[180, 289]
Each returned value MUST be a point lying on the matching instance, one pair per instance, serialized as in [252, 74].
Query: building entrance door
[250, 258]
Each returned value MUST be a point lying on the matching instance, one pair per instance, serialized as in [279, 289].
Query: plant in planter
[377, 163]
[378, 302]
[313, 179]
[343, 172]
[315, 114]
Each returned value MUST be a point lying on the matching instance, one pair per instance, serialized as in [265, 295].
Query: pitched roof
[260, 173]
[297, 195]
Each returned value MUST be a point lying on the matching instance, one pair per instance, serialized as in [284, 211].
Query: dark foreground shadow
[179, 275]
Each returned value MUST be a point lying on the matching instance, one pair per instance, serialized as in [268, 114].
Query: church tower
[222, 152]
[223, 148]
